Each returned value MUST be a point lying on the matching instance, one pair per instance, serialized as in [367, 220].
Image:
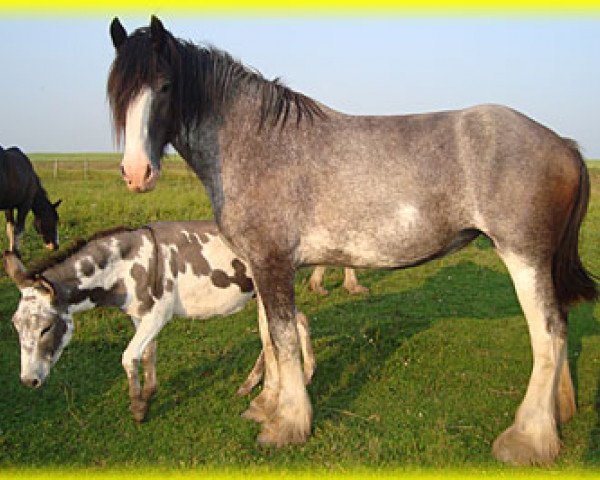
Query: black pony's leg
[289, 422]
[10, 228]
[20, 224]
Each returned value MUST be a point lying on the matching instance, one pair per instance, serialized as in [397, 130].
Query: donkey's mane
[76, 246]
[205, 79]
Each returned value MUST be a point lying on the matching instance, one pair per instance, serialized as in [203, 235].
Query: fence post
[55, 169]
[86, 167]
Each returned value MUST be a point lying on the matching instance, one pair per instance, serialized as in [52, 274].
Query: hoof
[319, 289]
[356, 289]
[516, 447]
[275, 432]
[139, 409]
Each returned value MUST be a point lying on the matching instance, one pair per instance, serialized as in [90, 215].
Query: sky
[53, 70]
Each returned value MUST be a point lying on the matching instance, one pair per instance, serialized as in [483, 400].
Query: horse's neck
[201, 144]
[40, 203]
[84, 285]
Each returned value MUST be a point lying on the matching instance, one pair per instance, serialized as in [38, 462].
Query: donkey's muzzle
[31, 382]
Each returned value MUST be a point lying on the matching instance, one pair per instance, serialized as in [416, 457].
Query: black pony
[21, 189]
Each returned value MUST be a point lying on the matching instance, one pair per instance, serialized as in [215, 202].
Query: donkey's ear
[117, 33]
[158, 34]
[56, 204]
[15, 269]
[44, 286]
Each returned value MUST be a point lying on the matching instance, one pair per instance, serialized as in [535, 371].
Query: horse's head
[44, 327]
[141, 90]
[46, 225]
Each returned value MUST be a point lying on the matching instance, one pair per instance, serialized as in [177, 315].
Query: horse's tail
[572, 281]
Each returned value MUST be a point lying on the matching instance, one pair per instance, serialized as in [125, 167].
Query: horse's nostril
[148, 172]
[35, 383]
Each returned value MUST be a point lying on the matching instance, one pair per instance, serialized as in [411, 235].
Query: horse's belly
[199, 297]
[404, 239]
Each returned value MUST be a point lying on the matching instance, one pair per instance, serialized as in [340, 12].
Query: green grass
[422, 373]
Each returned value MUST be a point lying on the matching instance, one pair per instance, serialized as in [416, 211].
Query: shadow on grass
[362, 333]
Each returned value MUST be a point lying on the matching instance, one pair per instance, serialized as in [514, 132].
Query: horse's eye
[165, 87]
[45, 331]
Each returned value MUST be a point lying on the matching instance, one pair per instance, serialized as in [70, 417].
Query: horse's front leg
[19, 226]
[10, 229]
[289, 422]
[141, 346]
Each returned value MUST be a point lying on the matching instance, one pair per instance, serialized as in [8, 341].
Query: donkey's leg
[254, 376]
[149, 365]
[306, 346]
[256, 373]
[351, 282]
[533, 438]
[265, 404]
[315, 283]
[10, 228]
[146, 331]
[290, 423]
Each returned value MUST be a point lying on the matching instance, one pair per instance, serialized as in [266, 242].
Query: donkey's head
[46, 224]
[44, 327]
[141, 90]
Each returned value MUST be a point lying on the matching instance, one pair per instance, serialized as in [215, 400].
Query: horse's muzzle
[141, 183]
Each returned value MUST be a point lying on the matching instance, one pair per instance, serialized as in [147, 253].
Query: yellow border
[306, 7]
[274, 474]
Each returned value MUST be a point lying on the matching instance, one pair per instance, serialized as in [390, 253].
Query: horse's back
[18, 180]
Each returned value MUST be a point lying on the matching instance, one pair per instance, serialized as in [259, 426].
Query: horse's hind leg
[533, 438]
[351, 284]
[566, 394]
[315, 283]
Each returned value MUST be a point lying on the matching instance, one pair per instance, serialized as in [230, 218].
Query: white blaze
[136, 126]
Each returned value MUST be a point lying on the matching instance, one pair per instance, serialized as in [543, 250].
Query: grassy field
[422, 373]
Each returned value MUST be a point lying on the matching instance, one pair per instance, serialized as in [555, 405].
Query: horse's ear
[45, 287]
[117, 33]
[15, 269]
[158, 34]
[56, 204]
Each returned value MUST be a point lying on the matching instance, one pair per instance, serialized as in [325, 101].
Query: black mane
[40, 266]
[204, 80]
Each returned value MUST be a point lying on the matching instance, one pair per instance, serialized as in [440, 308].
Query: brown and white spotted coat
[150, 273]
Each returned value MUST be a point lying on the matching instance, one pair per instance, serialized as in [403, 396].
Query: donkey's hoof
[277, 433]
[139, 409]
[516, 447]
